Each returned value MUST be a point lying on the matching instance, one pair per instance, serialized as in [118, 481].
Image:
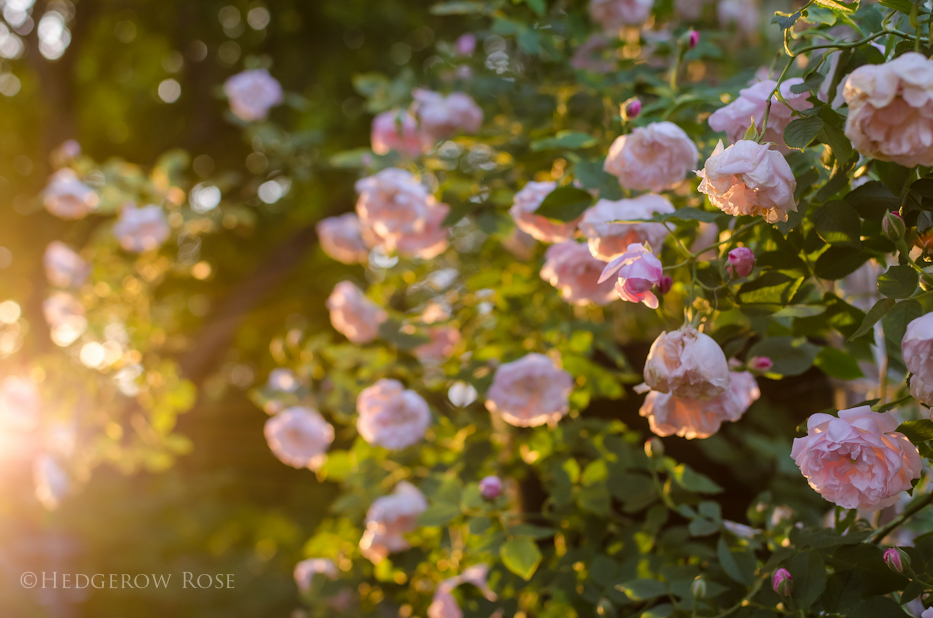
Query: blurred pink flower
[917, 352]
[389, 519]
[636, 271]
[745, 14]
[20, 403]
[652, 158]
[299, 437]
[530, 391]
[391, 416]
[307, 569]
[252, 94]
[444, 340]
[570, 268]
[67, 197]
[353, 315]
[589, 56]
[527, 201]
[613, 15]
[608, 240]
[341, 238]
[687, 364]
[736, 117]
[63, 267]
[466, 44]
[741, 262]
[396, 130]
[141, 229]
[490, 487]
[444, 116]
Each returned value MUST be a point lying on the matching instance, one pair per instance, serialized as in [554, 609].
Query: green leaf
[531, 531]
[689, 213]
[439, 514]
[872, 200]
[661, 610]
[693, 481]
[837, 364]
[791, 356]
[904, 6]
[802, 131]
[835, 138]
[874, 314]
[898, 282]
[838, 224]
[643, 589]
[785, 20]
[809, 573]
[772, 288]
[565, 139]
[917, 431]
[838, 5]
[702, 527]
[565, 203]
[458, 7]
[739, 565]
[838, 262]
[877, 607]
[521, 556]
[896, 321]
[592, 176]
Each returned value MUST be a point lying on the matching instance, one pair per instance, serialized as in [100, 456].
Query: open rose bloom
[444, 116]
[67, 197]
[917, 352]
[686, 363]
[636, 272]
[529, 392]
[342, 239]
[613, 15]
[252, 94]
[141, 229]
[736, 117]
[444, 605]
[570, 268]
[389, 519]
[857, 461]
[527, 201]
[307, 569]
[353, 315]
[299, 437]
[608, 240]
[652, 158]
[391, 416]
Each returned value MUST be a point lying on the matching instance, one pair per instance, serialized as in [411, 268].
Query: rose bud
[654, 448]
[741, 262]
[893, 226]
[693, 38]
[782, 582]
[896, 559]
[664, 285]
[490, 487]
[632, 109]
[760, 363]
[698, 588]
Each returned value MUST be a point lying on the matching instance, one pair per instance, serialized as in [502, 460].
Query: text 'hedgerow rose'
[252, 94]
[389, 519]
[527, 201]
[299, 437]
[529, 392]
[636, 271]
[652, 158]
[63, 267]
[688, 364]
[141, 229]
[917, 352]
[342, 239]
[857, 461]
[736, 117]
[353, 315]
[67, 197]
[891, 110]
[613, 15]
[391, 416]
[570, 268]
[748, 178]
[608, 240]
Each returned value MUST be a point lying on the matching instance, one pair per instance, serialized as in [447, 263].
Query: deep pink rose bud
[654, 448]
[741, 262]
[782, 582]
[664, 285]
[693, 38]
[760, 363]
[490, 487]
[466, 45]
[893, 226]
[632, 109]
[896, 559]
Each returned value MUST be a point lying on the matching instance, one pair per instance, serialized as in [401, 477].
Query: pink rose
[608, 240]
[748, 178]
[636, 272]
[736, 117]
[67, 197]
[51, 481]
[688, 364]
[389, 519]
[529, 392]
[527, 201]
[917, 352]
[307, 569]
[299, 437]
[490, 487]
[391, 416]
[396, 130]
[432, 241]
[570, 268]
[741, 262]
[341, 238]
[652, 158]
[20, 404]
[857, 461]
[353, 315]
[63, 267]
[444, 340]
[694, 418]
[282, 380]
[444, 605]
[891, 110]
[466, 44]
[441, 117]
[746, 14]
[782, 582]
[65, 316]
[614, 15]
[252, 94]
[141, 229]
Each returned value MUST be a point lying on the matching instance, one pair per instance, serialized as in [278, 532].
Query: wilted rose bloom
[636, 271]
[341, 238]
[570, 268]
[67, 197]
[141, 229]
[282, 380]
[891, 110]
[736, 117]
[652, 158]
[695, 418]
[917, 352]
[748, 178]
[252, 94]
[20, 404]
[444, 340]
[608, 240]
[745, 14]
[396, 130]
[307, 569]
[741, 262]
[299, 437]
[52, 483]
[529, 392]
[527, 201]
[391, 416]
[613, 15]
[443, 116]
[857, 461]
[353, 315]
[63, 267]
[686, 363]
[389, 519]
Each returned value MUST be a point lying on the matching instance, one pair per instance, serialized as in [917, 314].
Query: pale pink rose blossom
[299, 437]
[391, 416]
[67, 197]
[748, 178]
[353, 315]
[741, 262]
[527, 201]
[687, 363]
[252, 94]
[342, 239]
[917, 352]
[444, 605]
[745, 14]
[430, 242]
[857, 461]
[389, 519]
[652, 158]
[141, 229]
[396, 130]
[736, 117]
[307, 569]
[282, 380]
[636, 271]
[51, 481]
[444, 340]
[444, 116]
[63, 267]
[695, 418]
[466, 44]
[530, 391]
[608, 240]
[20, 403]
[570, 268]
[891, 110]
[614, 15]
